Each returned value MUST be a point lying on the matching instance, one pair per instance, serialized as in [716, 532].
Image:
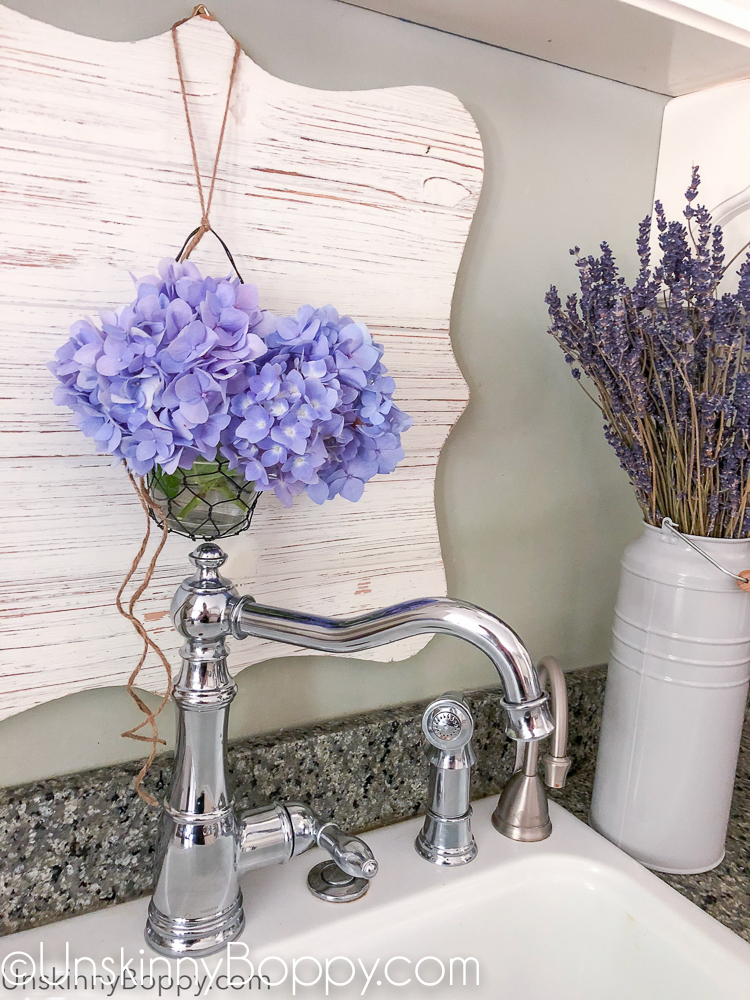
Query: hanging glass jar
[207, 501]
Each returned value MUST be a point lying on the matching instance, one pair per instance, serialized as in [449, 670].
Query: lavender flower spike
[668, 360]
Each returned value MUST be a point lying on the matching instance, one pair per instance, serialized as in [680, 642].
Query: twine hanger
[205, 201]
[139, 485]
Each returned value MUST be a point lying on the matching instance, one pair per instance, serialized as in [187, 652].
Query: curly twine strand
[148, 643]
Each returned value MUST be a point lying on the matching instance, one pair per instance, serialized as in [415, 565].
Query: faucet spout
[528, 713]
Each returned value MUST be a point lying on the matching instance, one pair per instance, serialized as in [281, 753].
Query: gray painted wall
[532, 506]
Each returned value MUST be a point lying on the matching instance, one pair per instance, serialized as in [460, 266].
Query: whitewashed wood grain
[361, 199]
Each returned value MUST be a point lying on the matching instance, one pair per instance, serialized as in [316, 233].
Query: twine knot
[195, 237]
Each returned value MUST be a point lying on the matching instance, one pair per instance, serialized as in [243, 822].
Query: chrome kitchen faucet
[204, 845]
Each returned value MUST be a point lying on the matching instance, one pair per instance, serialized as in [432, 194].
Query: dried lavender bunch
[669, 360]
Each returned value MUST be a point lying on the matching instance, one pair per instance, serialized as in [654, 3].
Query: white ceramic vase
[675, 702]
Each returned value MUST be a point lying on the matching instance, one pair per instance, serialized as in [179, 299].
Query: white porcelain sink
[572, 918]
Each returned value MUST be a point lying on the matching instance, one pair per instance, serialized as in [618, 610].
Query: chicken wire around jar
[207, 501]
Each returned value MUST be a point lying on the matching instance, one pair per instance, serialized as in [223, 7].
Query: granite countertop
[80, 842]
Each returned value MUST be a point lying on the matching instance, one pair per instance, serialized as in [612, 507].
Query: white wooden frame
[361, 199]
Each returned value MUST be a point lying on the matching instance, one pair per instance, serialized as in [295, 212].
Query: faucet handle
[351, 854]
[347, 876]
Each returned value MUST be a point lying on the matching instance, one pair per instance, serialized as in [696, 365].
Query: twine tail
[148, 643]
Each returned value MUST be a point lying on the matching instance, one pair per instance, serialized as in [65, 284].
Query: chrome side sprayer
[446, 837]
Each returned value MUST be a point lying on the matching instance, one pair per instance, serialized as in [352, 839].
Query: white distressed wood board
[362, 199]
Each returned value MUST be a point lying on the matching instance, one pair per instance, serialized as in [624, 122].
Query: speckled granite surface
[77, 843]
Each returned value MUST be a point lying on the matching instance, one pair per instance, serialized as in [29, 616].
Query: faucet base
[447, 842]
[522, 812]
[174, 936]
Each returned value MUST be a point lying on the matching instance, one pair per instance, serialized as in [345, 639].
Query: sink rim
[280, 909]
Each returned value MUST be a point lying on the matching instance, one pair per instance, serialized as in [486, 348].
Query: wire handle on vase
[743, 579]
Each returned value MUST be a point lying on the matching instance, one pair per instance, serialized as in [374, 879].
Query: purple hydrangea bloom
[331, 421]
[193, 367]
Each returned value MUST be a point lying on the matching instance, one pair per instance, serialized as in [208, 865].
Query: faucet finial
[208, 555]
[202, 606]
